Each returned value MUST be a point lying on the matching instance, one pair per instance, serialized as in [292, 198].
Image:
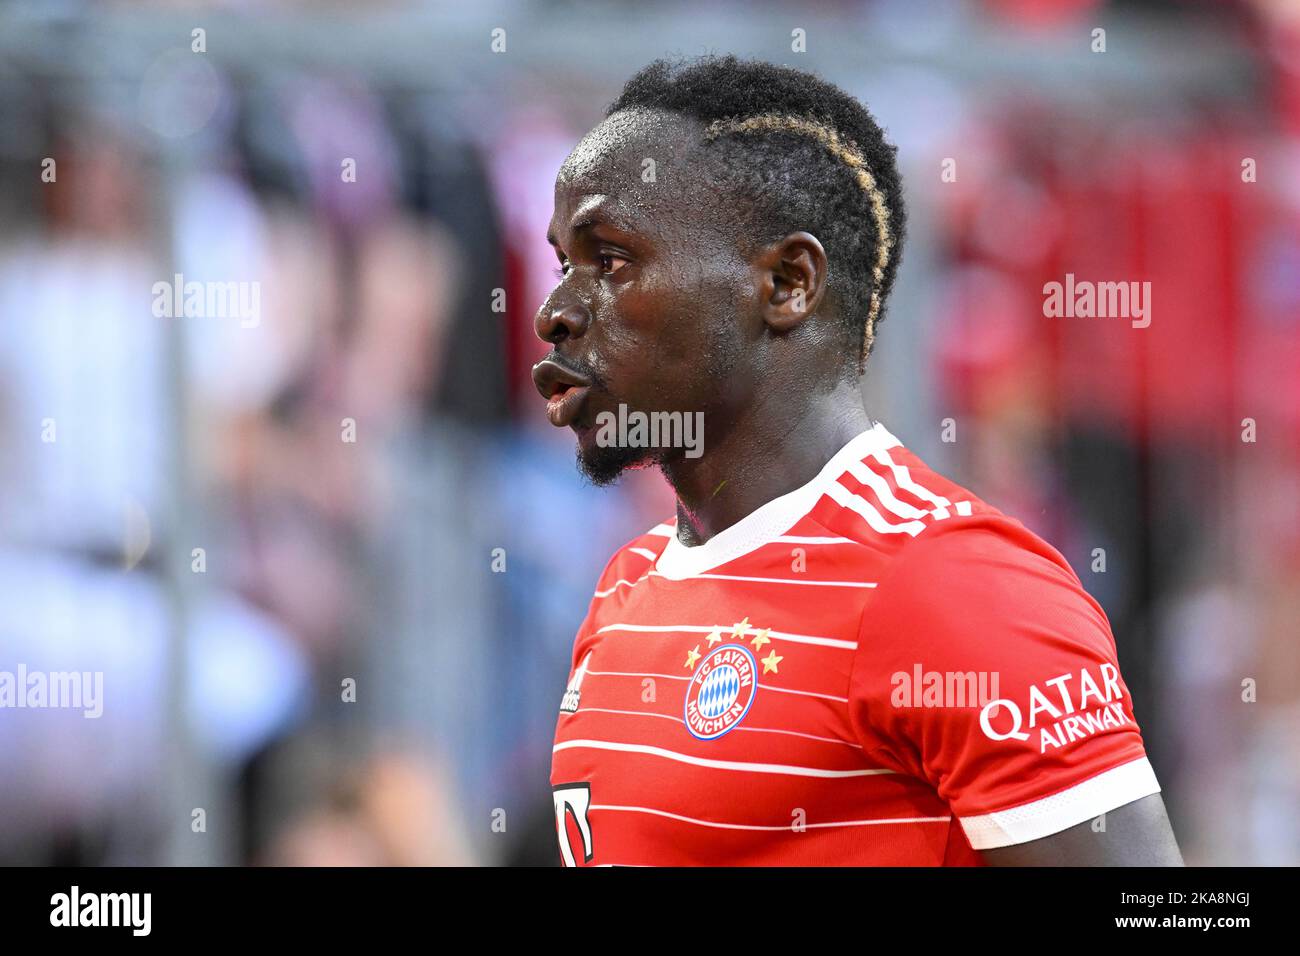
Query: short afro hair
[806, 155]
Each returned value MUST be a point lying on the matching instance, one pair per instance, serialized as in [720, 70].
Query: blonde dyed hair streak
[847, 152]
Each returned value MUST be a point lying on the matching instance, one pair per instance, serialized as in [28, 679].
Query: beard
[603, 465]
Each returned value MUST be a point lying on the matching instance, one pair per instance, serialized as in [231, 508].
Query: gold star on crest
[692, 656]
[761, 638]
[715, 636]
[770, 662]
[738, 630]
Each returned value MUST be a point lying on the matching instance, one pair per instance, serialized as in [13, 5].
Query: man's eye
[609, 263]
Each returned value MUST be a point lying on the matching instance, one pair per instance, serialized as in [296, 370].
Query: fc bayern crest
[721, 691]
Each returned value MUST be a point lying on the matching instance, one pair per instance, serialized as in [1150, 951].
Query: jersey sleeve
[984, 667]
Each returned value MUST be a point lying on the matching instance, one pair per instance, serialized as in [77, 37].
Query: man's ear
[792, 280]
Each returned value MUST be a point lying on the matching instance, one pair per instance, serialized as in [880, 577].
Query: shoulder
[983, 594]
[636, 557]
[984, 666]
[930, 536]
[884, 496]
[986, 553]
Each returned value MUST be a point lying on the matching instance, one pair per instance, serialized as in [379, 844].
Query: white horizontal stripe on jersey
[782, 690]
[752, 730]
[628, 713]
[619, 583]
[805, 693]
[825, 584]
[798, 733]
[644, 552]
[753, 826]
[637, 674]
[667, 531]
[738, 766]
[738, 577]
[728, 628]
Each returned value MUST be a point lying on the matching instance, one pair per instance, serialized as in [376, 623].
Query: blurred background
[274, 530]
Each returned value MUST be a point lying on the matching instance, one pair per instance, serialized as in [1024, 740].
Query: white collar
[772, 519]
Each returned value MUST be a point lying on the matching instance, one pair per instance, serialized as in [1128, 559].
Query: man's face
[653, 311]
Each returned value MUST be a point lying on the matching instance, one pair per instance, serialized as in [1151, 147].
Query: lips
[563, 388]
[563, 407]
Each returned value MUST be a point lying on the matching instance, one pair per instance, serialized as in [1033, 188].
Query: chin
[603, 465]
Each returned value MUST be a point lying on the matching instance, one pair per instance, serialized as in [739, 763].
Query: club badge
[721, 691]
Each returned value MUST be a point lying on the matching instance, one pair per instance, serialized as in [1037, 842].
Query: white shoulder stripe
[903, 478]
[896, 505]
[842, 496]
[883, 492]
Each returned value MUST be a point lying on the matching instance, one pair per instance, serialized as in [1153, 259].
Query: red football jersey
[876, 668]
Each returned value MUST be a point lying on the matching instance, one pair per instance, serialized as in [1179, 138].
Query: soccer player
[831, 655]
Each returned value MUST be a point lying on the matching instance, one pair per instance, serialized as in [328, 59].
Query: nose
[561, 318]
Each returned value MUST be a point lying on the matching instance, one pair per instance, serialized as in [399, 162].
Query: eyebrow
[597, 216]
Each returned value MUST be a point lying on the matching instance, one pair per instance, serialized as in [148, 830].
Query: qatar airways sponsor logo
[1061, 710]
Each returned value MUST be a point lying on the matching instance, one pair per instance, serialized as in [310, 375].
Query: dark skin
[663, 307]
[1137, 834]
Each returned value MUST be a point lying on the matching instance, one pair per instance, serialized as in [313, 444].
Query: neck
[765, 453]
